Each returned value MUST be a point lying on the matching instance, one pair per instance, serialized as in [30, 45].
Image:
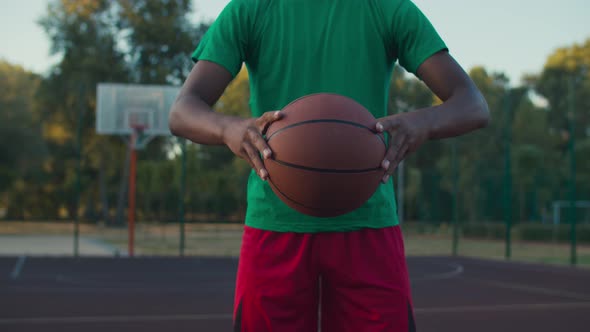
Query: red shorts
[350, 281]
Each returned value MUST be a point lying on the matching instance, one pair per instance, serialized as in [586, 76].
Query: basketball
[326, 155]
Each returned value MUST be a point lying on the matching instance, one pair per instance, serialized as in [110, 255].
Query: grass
[225, 240]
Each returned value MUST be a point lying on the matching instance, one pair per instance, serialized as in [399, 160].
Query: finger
[401, 156]
[396, 144]
[259, 143]
[255, 161]
[393, 166]
[266, 119]
[386, 124]
[244, 155]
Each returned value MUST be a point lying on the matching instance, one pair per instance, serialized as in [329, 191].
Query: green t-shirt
[293, 48]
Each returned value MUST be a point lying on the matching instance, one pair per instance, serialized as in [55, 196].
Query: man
[348, 272]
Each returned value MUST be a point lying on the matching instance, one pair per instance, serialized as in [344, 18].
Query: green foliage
[566, 68]
[160, 38]
[98, 41]
[83, 33]
[424, 228]
[565, 83]
[552, 233]
[21, 147]
[537, 149]
[150, 42]
[490, 231]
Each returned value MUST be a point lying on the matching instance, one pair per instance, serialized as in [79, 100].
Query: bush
[497, 231]
[492, 231]
[421, 228]
[555, 233]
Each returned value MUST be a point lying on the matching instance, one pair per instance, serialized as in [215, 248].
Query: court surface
[195, 294]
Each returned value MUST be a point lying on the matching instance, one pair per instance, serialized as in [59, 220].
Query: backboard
[123, 108]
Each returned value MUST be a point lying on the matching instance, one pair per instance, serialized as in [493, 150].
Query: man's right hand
[245, 137]
[192, 117]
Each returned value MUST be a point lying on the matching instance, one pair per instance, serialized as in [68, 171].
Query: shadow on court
[195, 294]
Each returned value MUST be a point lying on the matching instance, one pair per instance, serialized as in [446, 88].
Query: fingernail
[277, 114]
[385, 164]
[379, 126]
[263, 174]
[385, 178]
[267, 153]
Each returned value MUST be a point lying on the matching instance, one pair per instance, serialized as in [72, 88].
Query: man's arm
[192, 117]
[463, 110]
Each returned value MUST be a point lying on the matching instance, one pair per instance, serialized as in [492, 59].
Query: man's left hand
[407, 132]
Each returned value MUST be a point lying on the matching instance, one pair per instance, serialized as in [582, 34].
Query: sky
[511, 36]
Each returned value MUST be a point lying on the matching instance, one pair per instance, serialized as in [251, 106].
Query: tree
[160, 38]
[18, 123]
[565, 83]
[84, 34]
[106, 41]
[567, 68]
[535, 159]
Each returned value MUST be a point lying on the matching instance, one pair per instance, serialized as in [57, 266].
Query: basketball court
[54, 245]
[196, 294]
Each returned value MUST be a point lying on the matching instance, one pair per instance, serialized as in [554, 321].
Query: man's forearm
[464, 112]
[194, 119]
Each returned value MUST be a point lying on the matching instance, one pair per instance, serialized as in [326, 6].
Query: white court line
[524, 266]
[65, 280]
[116, 290]
[18, 267]
[201, 317]
[112, 319]
[531, 289]
[504, 307]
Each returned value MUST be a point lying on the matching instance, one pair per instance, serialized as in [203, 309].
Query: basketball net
[138, 123]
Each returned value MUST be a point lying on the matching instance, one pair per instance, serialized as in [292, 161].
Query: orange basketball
[326, 155]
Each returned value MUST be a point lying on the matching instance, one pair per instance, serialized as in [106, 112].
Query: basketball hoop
[139, 128]
[138, 113]
[139, 120]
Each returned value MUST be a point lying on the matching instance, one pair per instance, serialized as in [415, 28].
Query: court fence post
[455, 212]
[507, 175]
[181, 199]
[572, 180]
[78, 171]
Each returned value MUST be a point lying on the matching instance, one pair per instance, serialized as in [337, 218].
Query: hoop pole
[78, 176]
[132, 173]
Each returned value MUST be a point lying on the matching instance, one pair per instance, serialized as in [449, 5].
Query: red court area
[195, 294]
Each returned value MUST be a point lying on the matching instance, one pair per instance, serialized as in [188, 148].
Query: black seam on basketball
[298, 203]
[326, 170]
[350, 123]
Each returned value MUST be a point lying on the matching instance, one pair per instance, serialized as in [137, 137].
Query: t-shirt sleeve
[413, 38]
[226, 41]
